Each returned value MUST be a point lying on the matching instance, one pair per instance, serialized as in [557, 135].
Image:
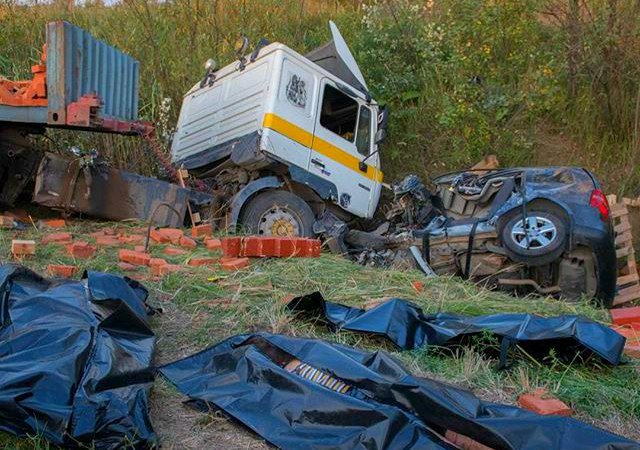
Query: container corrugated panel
[78, 64]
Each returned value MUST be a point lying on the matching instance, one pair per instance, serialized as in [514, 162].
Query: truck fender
[247, 192]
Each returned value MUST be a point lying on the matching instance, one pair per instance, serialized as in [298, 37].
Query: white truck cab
[307, 124]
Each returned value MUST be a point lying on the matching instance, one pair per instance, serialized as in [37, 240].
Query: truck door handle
[317, 162]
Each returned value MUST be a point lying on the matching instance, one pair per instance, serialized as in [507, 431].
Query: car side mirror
[381, 135]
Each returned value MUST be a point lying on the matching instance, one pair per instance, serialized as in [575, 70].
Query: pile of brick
[236, 251]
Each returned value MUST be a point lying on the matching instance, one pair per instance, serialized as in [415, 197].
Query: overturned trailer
[80, 84]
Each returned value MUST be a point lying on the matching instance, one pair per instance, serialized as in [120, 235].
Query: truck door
[342, 139]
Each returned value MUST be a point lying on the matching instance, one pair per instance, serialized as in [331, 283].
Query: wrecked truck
[289, 145]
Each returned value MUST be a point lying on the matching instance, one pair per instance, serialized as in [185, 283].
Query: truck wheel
[537, 241]
[277, 213]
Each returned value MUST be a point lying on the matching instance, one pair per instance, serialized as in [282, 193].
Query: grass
[204, 305]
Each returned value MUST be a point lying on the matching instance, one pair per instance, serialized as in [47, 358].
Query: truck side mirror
[383, 119]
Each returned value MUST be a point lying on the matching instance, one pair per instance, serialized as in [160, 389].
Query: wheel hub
[535, 233]
[278, 222]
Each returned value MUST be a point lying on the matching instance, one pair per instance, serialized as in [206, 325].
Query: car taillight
[599, 202]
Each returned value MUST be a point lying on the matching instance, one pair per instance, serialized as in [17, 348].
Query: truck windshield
[363, 136]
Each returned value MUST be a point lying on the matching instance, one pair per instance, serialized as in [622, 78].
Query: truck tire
[547, 237]
[277, 213]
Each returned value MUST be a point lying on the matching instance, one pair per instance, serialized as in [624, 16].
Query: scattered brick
[107, 241]
[52, 223]
[127, 267]
[81, 249]
[165, 269]
[57, 238]
[6, 222]
[231, 246]
[235, 264]
[202, 230]
[132, 239]
[213, 244]
[61, 270]
[133, 257]
[187, 242]
[623, 316]
[203, 261]
[541, 402]
[21, 247]
[165, 235]
[154, 262]
[417, 286]
[174, 251]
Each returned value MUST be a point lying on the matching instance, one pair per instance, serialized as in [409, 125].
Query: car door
[334, 153]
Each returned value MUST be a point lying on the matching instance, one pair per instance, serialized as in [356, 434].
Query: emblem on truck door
[296, 91]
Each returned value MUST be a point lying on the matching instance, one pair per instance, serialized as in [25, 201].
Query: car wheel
[537, 240]
[277, 213]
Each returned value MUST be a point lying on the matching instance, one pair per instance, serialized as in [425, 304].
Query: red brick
[166, 235]
[81, 249]
[132, 238]
[174, 251]
[235, 264]
[165, 269]
[203, 261]
[154, 262]
[187, 242]
[213, 244]
[57, 238]
[231, 246]
[107, 241]
[125, 266]
[6, 222]
[140, 248]
[417, 286]
[464, 442]
[133, 257]
[628, 332]
[202, 230]
[21, 247]
[632, 349]
[543, 403]
[281, 247]
[622, 316]
[61, 270]
[52, 223]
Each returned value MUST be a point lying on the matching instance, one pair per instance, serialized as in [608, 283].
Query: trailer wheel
[277, 213]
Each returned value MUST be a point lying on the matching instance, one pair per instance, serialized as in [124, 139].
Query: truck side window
[363, 135]
[339, 113]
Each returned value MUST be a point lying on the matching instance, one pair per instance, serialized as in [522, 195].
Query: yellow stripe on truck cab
[303, 137]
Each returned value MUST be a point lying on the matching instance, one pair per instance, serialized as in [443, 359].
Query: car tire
[547, 237]
[277, 213]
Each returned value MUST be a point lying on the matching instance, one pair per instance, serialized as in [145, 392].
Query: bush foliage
[532, 81]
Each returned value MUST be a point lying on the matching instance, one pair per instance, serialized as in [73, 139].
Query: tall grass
[464, 78]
